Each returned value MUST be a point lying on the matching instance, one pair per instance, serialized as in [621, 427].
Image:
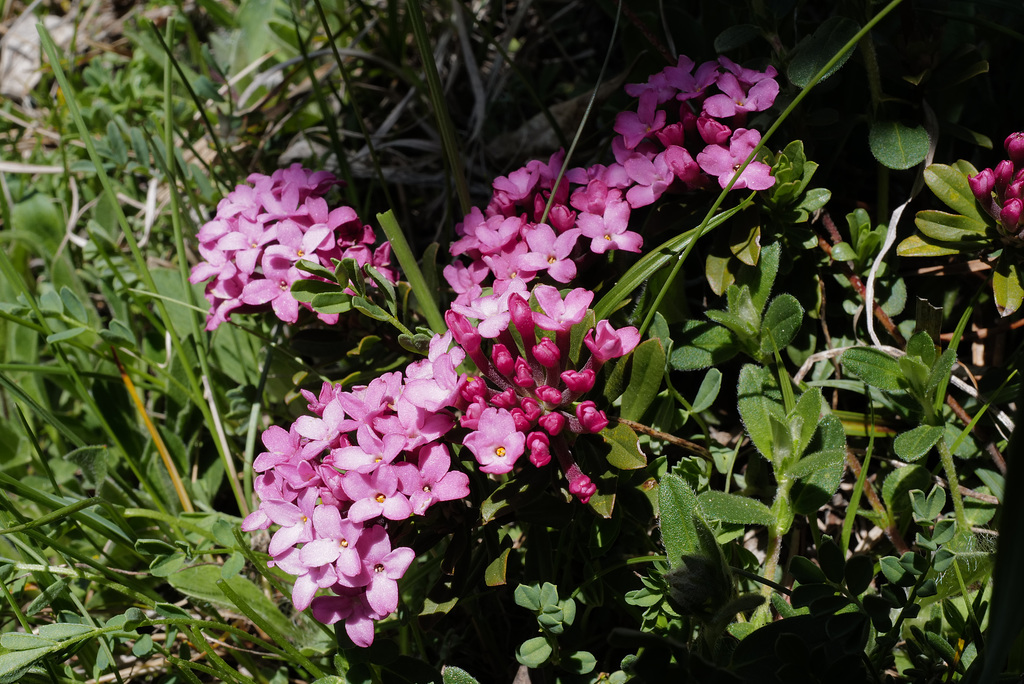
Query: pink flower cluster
[334, 480]
[687, 129]
[531, 403]
[1000, 191]
[261, 231]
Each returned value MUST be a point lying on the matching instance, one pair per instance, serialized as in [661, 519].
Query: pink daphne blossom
[718, 161]
[496, 444]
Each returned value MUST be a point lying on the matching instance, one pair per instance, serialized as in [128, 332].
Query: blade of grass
[158, 441]
[406, 259]
[449, 142]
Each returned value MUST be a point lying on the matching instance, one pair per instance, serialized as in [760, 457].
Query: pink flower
[496, 444]
[610, 343]
[437, 481]
[610, 230]
[723, 163]
[559, 314]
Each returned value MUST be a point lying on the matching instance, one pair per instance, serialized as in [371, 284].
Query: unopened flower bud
[1010, 215]
[1014, 190]
[531, 409]
[548, 395]
[713, 132]
[471, 417]
[982, 184]
[524, 374]
[522, 423]
[1003, 175]
[503, 360]
[1014, 145]
[474, 390]
[591, 418]
[505, 400]
[561, 218]
[552, 422]
[582, 487]
[522, 318]
[671, 134]
[578, 382]
[547, 353]
[539, 446]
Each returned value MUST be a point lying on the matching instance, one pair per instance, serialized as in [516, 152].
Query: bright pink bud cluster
[1000, 191]
[531, 403]
[689, 126]
[332, 482]
[261, 232]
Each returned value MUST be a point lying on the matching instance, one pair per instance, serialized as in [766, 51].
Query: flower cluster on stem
[334, 481]
[262, 230]
[1000, 191]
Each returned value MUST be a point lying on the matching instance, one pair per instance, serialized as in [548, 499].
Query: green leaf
[73, 305]
[814, 52]
[708, 391]
[899, 483]
[15, 662]
[921, 346]
[62, 631]
[455, 675]
[20, 641]
[370, 309]
[745, 243]
[874, 367]
[781, 322]
[718, 273]
[756, 409]
[843, 252]
[331, 302]
[736, 36]
[677, 504]
[65, 335]
[928, 508]
[950, 186]
[580, 662]
[115, 144]
[913, 444]
[816, 488]
[733, 508]
[805, 571]
[918, 246]
[815, 199]
[702, 344]
[896, 145]
[807, 412]
[534, 652]
[494, 575]
[761, 279]
[940, 370]
[625, 451]
[644, 379]
[939, 225]
[1007, 287]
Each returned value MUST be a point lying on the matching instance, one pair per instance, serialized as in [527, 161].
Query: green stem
[954, 486]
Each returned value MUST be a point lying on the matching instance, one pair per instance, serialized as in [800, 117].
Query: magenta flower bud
[1014, 145]
[1010, 214]
[524, 374]
[1013, 190]
[547, 353]
[591, 418]
[471, 418]
[502, 359]
[531, 409]
[1003, 175]
[578, 382]
[982, 184]
[505, 400]
[713, 132]
[552, 422]
[474, 390]
[522, 318]
[671, 135]
[540, 449]
[522, 422]
[549, 395]
[582, 487]
[561, 218]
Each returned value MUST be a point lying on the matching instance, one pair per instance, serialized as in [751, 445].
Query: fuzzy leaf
[732, 508]
[781, 322]
[913, 444]
[874, 367]
[708, 391]
[813, 53]
[896, 145]
[625, 451]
